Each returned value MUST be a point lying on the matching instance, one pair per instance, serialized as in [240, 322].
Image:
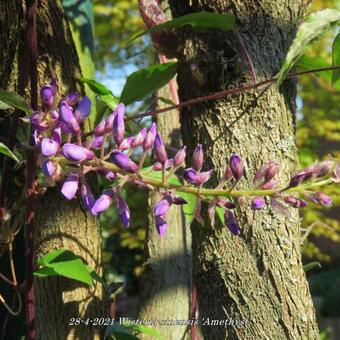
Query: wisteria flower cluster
[67, 155]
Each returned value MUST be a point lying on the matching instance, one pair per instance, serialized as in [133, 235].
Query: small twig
[310, 228]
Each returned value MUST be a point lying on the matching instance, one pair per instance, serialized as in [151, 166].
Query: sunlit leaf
[311, 265]
[146, 81]
[63, 262]
[313, 27]
[7, 152]
[336, 58]
[14, 100]
[96, 87]
[189, 208]
[200, 20]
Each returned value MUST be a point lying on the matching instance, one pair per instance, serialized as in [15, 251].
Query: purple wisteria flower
[118, 125]
[150, 137]
[196, 178]
[83, 109]
[159, 149]
[87, 196]
[124, 211]
[257, 203]
[231, 223]
[179, 157]
[76, 153]
[48, 168]
[123, 161]
[49, 147]
[70, 186]
[236, 166]
[102, 203]
[197, 158]
[139, 138]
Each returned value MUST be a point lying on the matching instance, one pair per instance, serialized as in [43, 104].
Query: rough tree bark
[166, 280]
[256, 280]
[59, 223]
[165, 284]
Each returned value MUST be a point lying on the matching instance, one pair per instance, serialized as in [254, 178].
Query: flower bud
[179, 157]
[87, 196]
[272, 170]
[102, 203]
[76, 153]
[72, 98]
[66, 115]
[48, 168]
[118, 125]
[228, 174]
[159, 149]
[191, 176]
[158, 166]
[270, 185]
[321, 198]
[139, 138]
[179, 200]
[97, 142]
[109, 175]
[231, 223]
[49, 147]
[56, 135]
[100, 129]
[47, 95]
[323, 168]
[295, 202]
[163, 206]
[70, 186]
[124, 212]
[161, 225]
[123, 161]
[297, 179]
[336, 173]
[150, 137]
[83, 109]
[236, 166]
[125, 144]
[257, 203]
[197, 158]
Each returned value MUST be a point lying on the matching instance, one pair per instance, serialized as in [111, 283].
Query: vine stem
[158, 183]
[224, 93]
[31, 44]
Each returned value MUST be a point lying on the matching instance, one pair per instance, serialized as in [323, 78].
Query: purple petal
[102, 203]
[83, 109]
[163, 206]
[139, 138]
[87, 196]
[76, 153]
[231, 223]
[197, 158]
[150, 137]
[257, 203]
[48, 168]
[123, 161]
[236, 166]
[72, 98]
[161, 226]
[159, 149]
[180, 157]
[47, 95]
[100, 129]
[124, 212]
[118, 124]
[70, 186]
[49, 147]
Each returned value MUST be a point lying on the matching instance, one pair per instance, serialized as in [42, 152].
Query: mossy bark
[255, 281]
[59, 223]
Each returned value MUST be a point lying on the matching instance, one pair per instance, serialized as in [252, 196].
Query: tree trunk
[59, 223]
[255, 281]
[166, 280]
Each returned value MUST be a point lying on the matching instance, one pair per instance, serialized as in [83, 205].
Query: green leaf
[336, 58]
[220, 214]
[14, 100]
[200, 20]
[310, 63]
[44, 272]
[7, 152]
[189, 208]
[4, 106]
[311, 265]
[63, 262]
[96, 87]
[313, 27]
[110, 100]
[146, 81]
